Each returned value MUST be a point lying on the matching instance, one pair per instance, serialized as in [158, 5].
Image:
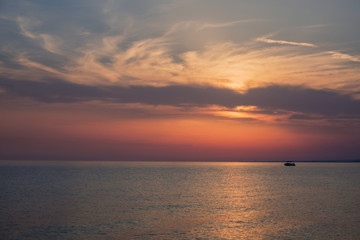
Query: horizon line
[10, 162]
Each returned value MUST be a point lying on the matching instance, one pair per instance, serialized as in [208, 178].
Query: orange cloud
[268, 40]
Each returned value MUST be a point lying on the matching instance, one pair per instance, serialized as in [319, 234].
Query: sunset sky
[201, 80]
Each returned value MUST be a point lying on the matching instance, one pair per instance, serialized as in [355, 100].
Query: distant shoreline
[14, 162]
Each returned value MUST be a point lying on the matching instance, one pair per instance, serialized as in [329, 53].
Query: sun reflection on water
[180, 201]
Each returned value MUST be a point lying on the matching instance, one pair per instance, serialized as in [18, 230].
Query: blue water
[179, 201]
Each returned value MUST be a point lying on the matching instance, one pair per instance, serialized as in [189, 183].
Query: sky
[167, 80]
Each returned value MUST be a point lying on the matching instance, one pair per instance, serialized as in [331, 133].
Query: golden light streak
[268, 40]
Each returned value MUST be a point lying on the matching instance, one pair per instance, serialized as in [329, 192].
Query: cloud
[115, 60]
[61, 91]
[25, 61]
[343, 56]
[124, 56]
[134, 50]
[315, 26]
[227, 24]
[268, 40]
[302, 99]
[48, 42]
[152, 62]
[274, 97]
[196, 26]
[201, 26]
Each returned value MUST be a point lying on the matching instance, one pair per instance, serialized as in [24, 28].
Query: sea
[179, 200]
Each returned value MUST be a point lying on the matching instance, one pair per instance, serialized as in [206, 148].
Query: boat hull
[289, 164]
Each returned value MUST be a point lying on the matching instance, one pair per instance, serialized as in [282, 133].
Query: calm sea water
[179, 201]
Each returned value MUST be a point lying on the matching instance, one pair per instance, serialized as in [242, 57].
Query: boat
[288, 163]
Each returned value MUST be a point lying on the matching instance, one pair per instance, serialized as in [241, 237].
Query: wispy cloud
[47, 41]
[227, 24]
[315, 26]
[343, 56]
[151, 62]
[268, 40]
[120, 59]
[199, 26]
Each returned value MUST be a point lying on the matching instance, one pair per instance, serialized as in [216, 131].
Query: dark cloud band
[289, 98]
